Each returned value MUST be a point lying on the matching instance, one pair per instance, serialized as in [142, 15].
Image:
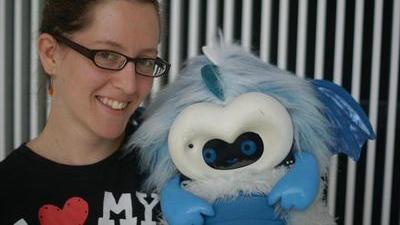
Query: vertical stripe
[21, 71]
[194, 21]
[247, 20]
[355, 91]
[301, 38]
[320, 54]
[175, 32]
[373, 101]
[265, 38]
[6, 76]
[38, 104]
[162, 46]
[337, 78]
[391, 122]
[229, 9]
[283, 33]
[3, 128]
[368, 192]
[212, 20]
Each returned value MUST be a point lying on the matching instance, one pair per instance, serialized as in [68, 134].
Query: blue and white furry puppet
[237, 141]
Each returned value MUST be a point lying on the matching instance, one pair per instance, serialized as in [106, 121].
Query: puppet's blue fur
[240, 72]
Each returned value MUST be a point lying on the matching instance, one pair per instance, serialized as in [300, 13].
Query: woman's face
[84, 94]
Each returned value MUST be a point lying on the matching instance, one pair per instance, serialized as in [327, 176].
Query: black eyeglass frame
[91, 53]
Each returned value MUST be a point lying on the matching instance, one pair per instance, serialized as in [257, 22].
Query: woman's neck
[72, 146]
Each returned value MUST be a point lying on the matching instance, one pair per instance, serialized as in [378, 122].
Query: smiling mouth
[232, 161]
[113, 104]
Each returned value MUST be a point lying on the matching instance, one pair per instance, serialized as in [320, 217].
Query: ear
[47, 47]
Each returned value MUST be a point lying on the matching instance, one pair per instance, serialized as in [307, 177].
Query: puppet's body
[246, 207]
[244, 210]
[236, 141]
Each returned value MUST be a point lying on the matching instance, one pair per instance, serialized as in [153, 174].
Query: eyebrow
[121, 48]
[111, 44]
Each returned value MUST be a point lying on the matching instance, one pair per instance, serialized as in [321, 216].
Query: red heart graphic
[74, 212]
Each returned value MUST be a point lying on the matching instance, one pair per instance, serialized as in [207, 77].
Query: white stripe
[355, 91]
[357, 50]
[350, 189]
[229, 7]
[337, 78]
[157, 82]
[212, 10]
[356, 83]
[391, 124]
[301, 38]
[320, 57]
[265, 30]
[283, 33]
[38, 104]
[339, 41]
[175, 38]
[21, 70]
[194, 21]
[332, 183]
[3, 118]
[247, 17]
[162, 46]
[373, 101]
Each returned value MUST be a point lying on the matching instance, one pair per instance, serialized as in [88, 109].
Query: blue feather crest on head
[210, 76]
[239, 72]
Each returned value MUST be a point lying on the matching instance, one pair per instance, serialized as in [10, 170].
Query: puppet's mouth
[245, 150]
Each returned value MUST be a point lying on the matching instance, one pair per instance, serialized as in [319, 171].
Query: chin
[111, 132]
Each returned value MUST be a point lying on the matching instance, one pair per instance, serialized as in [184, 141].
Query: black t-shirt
[36, 191]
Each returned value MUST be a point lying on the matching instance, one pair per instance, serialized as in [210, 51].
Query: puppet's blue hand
[180, 207]
[299, 187]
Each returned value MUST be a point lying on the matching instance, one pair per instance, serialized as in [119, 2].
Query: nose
[125, 79]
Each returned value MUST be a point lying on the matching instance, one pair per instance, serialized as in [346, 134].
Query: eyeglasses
[111, 60]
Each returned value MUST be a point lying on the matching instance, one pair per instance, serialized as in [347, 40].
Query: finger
[286, 203]
[207, 210]
[273, 197]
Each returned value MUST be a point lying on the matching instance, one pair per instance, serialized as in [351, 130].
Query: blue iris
[248, 147]
[209, 155]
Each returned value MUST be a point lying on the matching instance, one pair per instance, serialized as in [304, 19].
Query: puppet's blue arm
[351, 127]
[297, 189]
[180, 207]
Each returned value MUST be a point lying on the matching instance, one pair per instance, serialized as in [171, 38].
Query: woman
[101, 58]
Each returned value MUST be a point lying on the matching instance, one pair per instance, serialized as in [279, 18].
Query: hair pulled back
[68, 16]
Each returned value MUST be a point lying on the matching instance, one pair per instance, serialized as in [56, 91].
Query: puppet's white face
[254, 132]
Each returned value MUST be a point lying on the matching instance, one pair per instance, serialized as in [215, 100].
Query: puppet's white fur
[240, 72]
[242, 182]
[316, 214]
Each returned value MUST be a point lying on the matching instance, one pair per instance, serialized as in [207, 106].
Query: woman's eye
[110, 56]
[146, 63]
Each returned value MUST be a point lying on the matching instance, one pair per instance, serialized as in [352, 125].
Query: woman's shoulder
[14, 160]
[11, 168]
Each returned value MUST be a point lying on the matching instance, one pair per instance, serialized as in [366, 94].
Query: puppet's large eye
[245, 150]
[252, 132]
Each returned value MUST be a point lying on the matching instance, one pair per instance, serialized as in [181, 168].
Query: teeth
[113, 103]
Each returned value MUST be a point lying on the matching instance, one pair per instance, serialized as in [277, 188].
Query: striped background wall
[354, 43]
